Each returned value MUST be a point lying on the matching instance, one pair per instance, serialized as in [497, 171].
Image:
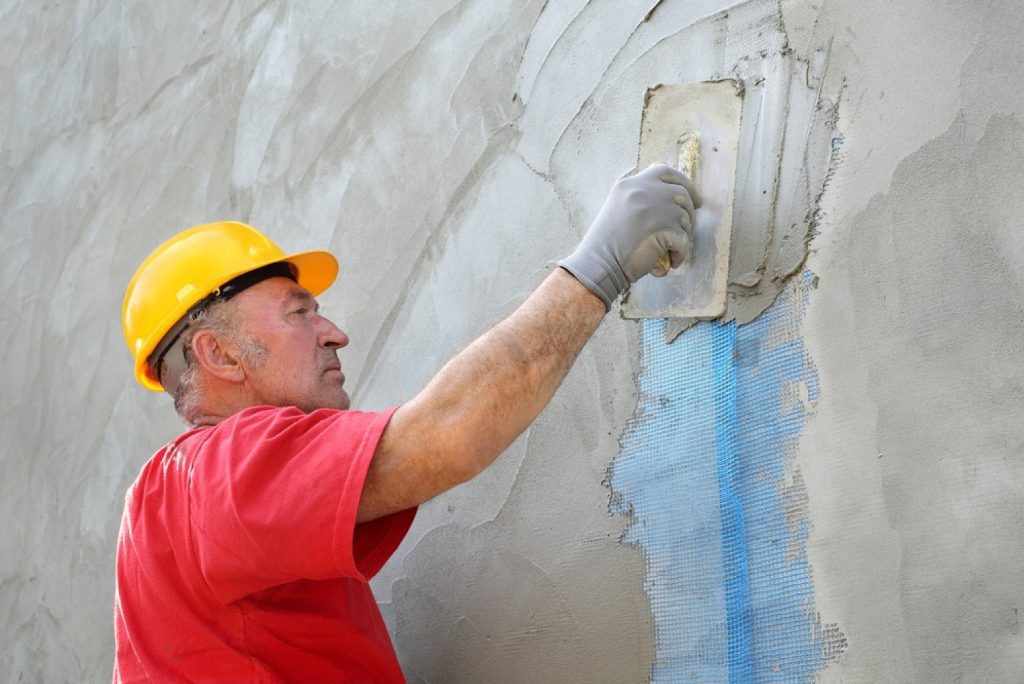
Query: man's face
[297, 363]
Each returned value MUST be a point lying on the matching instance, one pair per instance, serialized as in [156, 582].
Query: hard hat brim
[317, 270]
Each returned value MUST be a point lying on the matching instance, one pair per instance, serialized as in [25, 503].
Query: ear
[217, 357]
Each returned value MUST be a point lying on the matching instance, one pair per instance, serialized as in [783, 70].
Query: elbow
[471, 463]
[467, 461]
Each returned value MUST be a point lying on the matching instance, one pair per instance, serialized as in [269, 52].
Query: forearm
[488, 394]
[485, 397]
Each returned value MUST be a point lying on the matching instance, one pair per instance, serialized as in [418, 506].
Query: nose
[331, 336]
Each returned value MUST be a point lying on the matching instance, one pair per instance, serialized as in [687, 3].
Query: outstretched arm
[491, 391]
[478, 404]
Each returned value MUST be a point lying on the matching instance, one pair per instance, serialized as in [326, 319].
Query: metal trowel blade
[673, 117]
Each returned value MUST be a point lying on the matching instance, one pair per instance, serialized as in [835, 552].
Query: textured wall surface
[448, 152]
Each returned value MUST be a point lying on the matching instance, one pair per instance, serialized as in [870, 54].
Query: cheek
[254, 352]
[291, 351]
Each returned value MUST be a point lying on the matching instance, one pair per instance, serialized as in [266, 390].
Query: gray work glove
[644, 216]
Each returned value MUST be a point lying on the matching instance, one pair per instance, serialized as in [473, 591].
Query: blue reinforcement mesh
[721, 514]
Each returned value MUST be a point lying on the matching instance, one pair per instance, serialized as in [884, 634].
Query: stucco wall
[448, 154]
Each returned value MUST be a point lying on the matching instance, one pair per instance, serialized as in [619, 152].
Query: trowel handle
[689, 154]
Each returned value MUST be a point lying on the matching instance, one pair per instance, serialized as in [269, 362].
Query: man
[247, 542]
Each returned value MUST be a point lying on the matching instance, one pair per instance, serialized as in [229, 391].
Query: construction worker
[247, 543]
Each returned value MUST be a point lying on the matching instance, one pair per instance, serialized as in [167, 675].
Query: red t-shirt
[240, 560]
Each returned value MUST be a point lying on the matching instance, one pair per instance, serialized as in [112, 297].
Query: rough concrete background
[448, 154]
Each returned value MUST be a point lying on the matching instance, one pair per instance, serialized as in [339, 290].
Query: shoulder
[288, 430]
[273, 421]
[178, 453]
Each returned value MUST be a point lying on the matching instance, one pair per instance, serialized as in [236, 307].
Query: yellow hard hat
[194, 264]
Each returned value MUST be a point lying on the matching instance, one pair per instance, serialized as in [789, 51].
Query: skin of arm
[482, 399]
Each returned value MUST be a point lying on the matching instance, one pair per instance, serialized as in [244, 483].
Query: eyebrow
[297, 295]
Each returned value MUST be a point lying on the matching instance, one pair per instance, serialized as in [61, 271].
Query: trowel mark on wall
[719, 510]
[787, 149]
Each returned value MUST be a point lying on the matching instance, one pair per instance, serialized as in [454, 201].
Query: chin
[345, 402]
[336, 399]
[340, 402]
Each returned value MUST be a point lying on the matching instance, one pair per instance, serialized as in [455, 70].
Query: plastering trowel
[694, 127]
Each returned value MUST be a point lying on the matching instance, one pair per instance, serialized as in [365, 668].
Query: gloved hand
[644, 216]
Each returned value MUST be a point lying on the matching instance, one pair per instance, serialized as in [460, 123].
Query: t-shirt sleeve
[273, 498]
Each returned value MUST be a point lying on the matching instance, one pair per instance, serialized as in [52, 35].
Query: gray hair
[218, 317]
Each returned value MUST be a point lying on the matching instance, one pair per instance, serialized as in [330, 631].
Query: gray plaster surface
[448, 154]
[913, 461]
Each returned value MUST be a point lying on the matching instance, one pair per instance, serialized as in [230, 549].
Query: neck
[206, 420]
[217, 403]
